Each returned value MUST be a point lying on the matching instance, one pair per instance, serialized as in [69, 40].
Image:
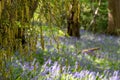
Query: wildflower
[27, 66]
[82, 74]
[92, 75]
[115, 76]
[55, 69]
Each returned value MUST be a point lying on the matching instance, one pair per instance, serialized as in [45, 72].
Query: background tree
[62, 14]
[113, 17]
[73, 26]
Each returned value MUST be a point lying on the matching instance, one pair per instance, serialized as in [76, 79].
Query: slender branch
[95, 14]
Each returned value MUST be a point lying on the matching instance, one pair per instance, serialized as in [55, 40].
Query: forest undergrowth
[62, 58]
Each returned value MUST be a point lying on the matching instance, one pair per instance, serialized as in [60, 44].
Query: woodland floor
[67, 63]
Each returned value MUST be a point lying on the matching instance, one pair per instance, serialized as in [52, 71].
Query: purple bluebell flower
[81, 74]
[115, 76]
[99, 39]
[29, 67]
[77, 75]
[111, 37]
[47, 62]
[76, 65]
[54, 70]
[92, 75]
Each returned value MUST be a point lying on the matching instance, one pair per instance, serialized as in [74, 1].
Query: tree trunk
[114, 17]
[14, 15]
[73, 19]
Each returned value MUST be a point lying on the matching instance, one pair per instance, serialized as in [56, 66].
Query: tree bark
[14, 14]
[73, 26]
[114, 17]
